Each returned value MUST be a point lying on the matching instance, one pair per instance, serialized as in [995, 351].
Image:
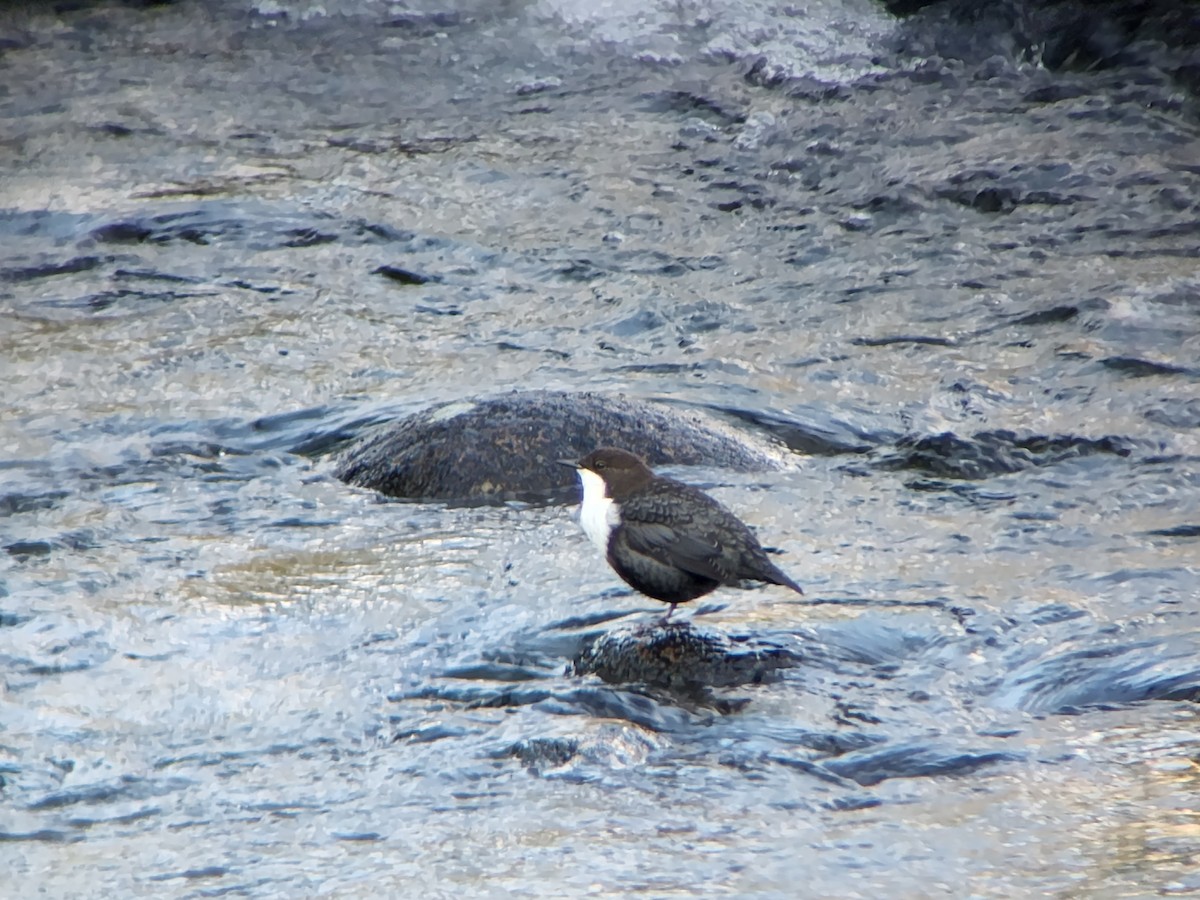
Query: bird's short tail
[787, 582]
[777, 577]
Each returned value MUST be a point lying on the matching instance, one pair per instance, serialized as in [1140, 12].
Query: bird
[666, 539]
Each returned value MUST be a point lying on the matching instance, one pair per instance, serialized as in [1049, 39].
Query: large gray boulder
[506, 447]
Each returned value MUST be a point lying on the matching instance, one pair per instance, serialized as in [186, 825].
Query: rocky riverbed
[943, 261]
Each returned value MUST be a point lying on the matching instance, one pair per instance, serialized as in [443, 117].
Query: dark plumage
[666, 539]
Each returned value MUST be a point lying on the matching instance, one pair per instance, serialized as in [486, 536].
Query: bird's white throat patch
[597, 515]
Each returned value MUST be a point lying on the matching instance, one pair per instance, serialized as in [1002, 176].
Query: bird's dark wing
[653, 524]
[665, 544]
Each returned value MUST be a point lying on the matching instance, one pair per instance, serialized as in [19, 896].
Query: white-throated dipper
[664, 538]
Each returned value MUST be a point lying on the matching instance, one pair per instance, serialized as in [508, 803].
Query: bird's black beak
[569, 463]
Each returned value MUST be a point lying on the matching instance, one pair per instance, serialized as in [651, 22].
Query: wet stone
[26, 549]
[1136, 367]
[989, 453]
[1180, 531]
[540, 752]
[122, 232]
[400, 275]
[679, 655]
[504, 448]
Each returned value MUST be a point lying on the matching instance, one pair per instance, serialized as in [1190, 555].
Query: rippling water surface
[955, 274]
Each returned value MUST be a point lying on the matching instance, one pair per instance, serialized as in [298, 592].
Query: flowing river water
[950, 262]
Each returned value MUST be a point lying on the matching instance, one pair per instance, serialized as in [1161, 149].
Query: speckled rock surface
[679, 655]
[506, 447]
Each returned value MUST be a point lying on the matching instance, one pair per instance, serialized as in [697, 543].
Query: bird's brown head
[621, 470]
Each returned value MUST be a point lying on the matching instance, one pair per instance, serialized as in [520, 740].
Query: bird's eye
[601, 464]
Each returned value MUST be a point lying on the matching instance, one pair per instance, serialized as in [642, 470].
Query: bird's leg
[663, 620]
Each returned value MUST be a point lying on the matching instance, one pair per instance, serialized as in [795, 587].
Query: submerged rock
[507, 447]
[678, 655]
[988, 453]
[611, 746]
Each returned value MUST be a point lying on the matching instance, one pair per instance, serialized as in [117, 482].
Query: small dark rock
[403, 276]
[1054, 93]
[26, 549]
[1053, 315]
[539, 752]
[989, 453]
[114, 129]
[678, 655]
[1180, 531]
[1144, 368]
[425, 24]
[122, 232]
